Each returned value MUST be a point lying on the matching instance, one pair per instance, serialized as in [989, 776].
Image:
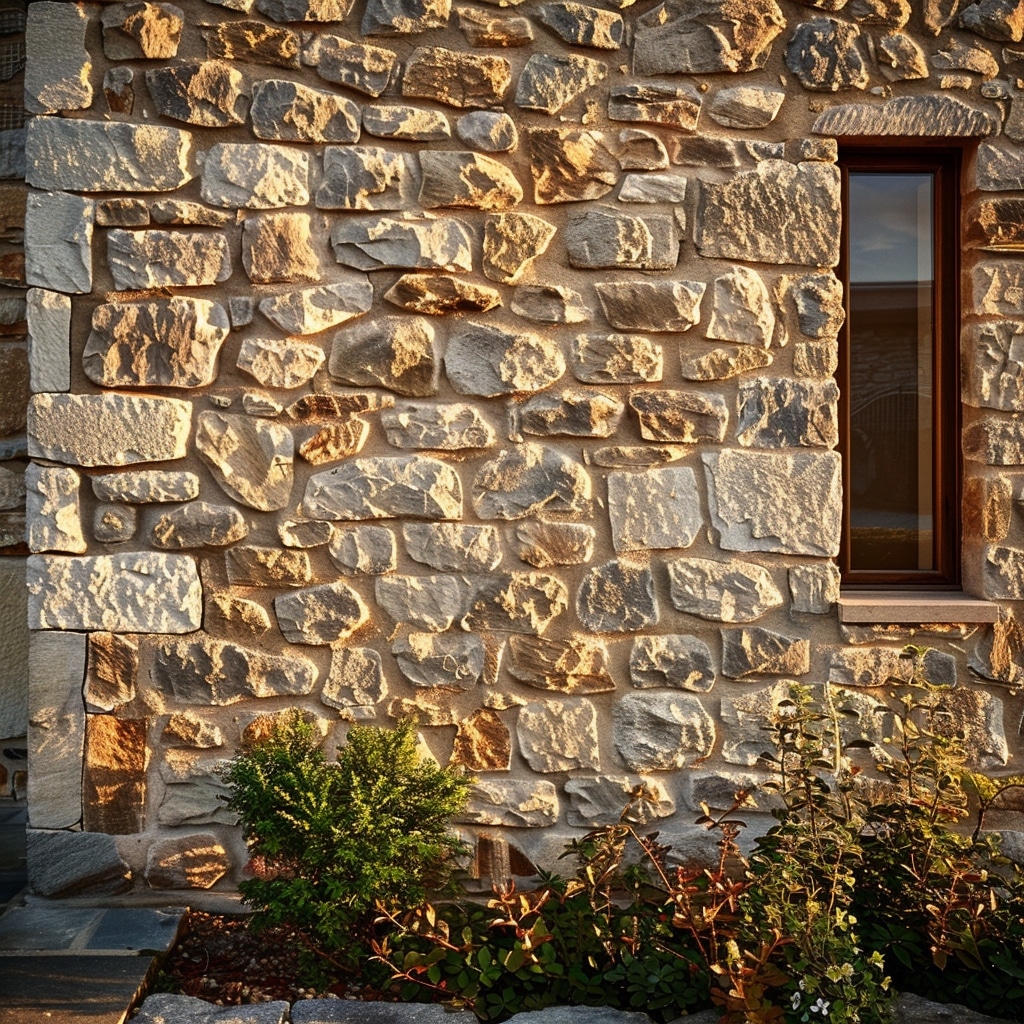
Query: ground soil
[220, 958]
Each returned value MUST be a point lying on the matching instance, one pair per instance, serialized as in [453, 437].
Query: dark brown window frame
[916, 156]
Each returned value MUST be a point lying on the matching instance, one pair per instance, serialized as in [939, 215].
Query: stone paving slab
[69, 989]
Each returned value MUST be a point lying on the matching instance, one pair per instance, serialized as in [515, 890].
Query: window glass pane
[891, 370]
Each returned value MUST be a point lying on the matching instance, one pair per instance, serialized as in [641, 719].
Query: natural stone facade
[391, 358]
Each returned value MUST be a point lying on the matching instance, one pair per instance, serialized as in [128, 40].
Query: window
[898, 368]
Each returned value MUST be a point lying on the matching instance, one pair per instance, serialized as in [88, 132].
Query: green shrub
[334, 844]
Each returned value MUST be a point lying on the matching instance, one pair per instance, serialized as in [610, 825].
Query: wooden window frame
[916, 156]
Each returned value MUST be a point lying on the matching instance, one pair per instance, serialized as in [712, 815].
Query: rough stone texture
[814, 588]
[111, 672]
[758, 651]
[460, 80]
[146, 486]
[255, 176]
[732, 591]
[363, 550]
[777, 213]
[438, 295]
[722, 362]
[689, 416]
[56, 729]
[818, 299]
[147, 30]
[141, 592]
[320, 615]
[577, 665]
[442, 243]
[996, 442]
[107, 429]
[909, 116]
[600, 237]
[660, 731]
[559, 735]
[994, 373]
[355, 683]
[580, 25]
[571, 165]
[277, 363]
[66, 864]
[1001, 20]
[193, 793]
[487, 361]
[94, 156]
[825, 57]
[617, 597]
[785, 413]
[251, 460]
[185, 728]
[158, 259]
[114, 779]
[311, 310]
[207, 94]
[253, 566]
[544, 543]
[901, 58]
[746, 106]
[490, 131]
[679, 662]
[444, 427]
[456, 178]
[56, 77]
[595, 801]
[304, 10]
[654, 188]
[417, 124]
[59, 256]
[196, 861]
[254, 42]
[512, 241]
[549, 84]
[520, 602]
[167, 343]
[705, 36]
[367, 178]
[656, 509]
[447, 660]
[208, 671]
[522, 481]
[574, 412]
[393, 352]
[200, 524]
[741, 310]
[48, 316]
[616, 359]
[53, 509]
[483, 743]
[402, 17]
[367, 69]
[773, 502]
[512, 802]
[651, 305]
[278, 247]
[677, 107]
[381, 488]
[427, 603]
[290, 112]
[453, 547]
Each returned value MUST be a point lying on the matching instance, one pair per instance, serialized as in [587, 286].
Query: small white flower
[796, 1000]
[821, 1006]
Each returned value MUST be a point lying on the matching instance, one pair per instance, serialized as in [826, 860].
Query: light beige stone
[280, 362]
[54, 510]
[57, 77]
[255, 176]
[196, 861]
[559, 735]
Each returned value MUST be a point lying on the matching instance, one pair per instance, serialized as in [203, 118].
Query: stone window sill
[866, 607]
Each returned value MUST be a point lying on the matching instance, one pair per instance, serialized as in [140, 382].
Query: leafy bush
[865, 871]
[332, 844]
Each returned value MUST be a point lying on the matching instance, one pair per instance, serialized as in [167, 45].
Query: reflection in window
[891, 275]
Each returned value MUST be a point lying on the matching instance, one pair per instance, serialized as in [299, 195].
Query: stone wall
[476, 361]
[14, 393]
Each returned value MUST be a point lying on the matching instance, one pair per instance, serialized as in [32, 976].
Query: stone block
[448, 660]
[449, 426]
[673, 660]
[616, 359]
[722, 362]
[758, 651]
[56, 729]
[396, 352]
[112, 671]
[49, 340]
[398, 121]
[114, 524]
[778, 213]
[107, 429]
[528, 478]
[489, 131]
[659, 509]
[661, 731]
[141, 30]
[254, 42]
[208, 671]
[385, 487]
[814, 588]
[571, 165]
[320, 615]
[689, 416]
[939, 116]
[199, 524]
[732, 591]
[207, 94]
[676, 107]
[285, 111]
[520, 602]
[450, 178]
[251, 460]
[825, 56]
[543, 543]
[114, 776]
[651, 305]
[54, 510]
[746, 106]
[550, 83]
[14, 649]
[280, 362]
[427, 603]
[364, 550]
[355, 684]
[137, 592]
[762, 501]
[453, 547]
[706, 36]
[66, 864]
[56, 76]
[602, 800]
[574, 412]
[600, 238]
[617, 597]
[367, 69]
[489, 361]
[463, 80]
[166, 343]
[483, 743]
[512, 241]
[278, 247]
[58, 248]
[255, 176]
[559, 735]
[578, 665]
[253, 565]
[581, 25]
[194, 794]
[515, 803]
[994, 367]
[997, 287]
[367, 178]
[778, 412]
[741, 309]
[378, 243]
[145, 486]
[195, 861]
[165, 259]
